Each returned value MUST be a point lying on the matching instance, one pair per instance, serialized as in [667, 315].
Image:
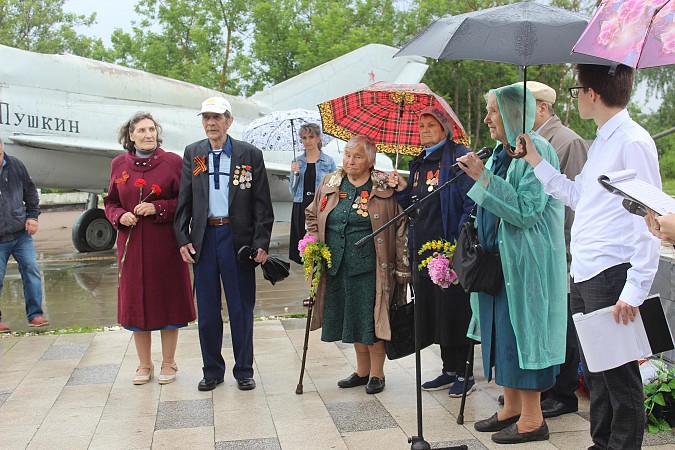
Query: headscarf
[441, 116]
[510, 102]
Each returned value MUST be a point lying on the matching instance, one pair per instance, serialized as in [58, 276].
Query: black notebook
[656, 325]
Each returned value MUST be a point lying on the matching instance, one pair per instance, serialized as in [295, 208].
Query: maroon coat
[154, 289]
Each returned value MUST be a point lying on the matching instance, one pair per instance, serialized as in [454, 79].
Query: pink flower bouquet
[439, 262]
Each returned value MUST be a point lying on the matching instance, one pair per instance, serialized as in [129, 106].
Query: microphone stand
[413, 212]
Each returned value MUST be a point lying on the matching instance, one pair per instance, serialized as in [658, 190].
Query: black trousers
[445, 315]
[617, 401]
[567, 381]
[454, 359]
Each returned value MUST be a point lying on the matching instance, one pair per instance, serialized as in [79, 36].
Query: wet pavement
[80, 289]
[74, 391]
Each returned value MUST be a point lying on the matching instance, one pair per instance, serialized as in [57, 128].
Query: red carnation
[140, 183]
[156, 189]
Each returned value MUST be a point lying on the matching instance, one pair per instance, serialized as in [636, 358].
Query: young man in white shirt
[614, 257]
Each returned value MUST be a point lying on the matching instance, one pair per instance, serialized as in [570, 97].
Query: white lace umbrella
[278, 131]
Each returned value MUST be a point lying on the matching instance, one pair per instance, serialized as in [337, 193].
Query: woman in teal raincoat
[523, 327]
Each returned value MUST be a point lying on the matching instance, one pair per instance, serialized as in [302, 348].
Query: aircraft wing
[278, 169]
[68, 144]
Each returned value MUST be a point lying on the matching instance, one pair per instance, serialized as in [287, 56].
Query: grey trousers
[617, 401]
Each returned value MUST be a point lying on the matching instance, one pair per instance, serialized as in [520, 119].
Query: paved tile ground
[75, 392]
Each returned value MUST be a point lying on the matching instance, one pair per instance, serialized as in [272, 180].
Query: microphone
[484, 153]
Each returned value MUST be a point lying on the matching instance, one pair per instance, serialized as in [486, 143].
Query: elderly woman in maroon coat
[154, 283]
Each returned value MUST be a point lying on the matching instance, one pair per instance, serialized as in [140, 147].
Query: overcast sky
[110, 14]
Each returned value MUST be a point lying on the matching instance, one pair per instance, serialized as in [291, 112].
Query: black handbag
[402, 322]
[477, 269]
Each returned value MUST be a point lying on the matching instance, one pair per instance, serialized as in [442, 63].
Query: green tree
[290, 37]
[189, 40]
[42, 26]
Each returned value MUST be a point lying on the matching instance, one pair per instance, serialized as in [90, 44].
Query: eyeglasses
[574, 91]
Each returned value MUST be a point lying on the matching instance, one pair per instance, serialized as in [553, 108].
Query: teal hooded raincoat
[531, 243]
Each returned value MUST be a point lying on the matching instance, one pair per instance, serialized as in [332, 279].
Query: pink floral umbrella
[636, 33]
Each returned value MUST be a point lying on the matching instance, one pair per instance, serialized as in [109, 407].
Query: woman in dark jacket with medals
[154, 283]
[445, 313]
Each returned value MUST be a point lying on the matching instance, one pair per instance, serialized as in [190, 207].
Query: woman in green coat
[523, 327]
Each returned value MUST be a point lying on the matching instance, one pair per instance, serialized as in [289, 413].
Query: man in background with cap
[572, 152]
[224, 204]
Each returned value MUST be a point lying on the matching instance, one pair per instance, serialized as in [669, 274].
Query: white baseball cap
[216, 105]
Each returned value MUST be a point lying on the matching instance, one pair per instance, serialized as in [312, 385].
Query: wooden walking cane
[310, 305]
[467, 371]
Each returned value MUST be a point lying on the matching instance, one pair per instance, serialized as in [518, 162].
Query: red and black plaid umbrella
[388, 113]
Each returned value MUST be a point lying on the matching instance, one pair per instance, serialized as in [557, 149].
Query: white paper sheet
[607, 344]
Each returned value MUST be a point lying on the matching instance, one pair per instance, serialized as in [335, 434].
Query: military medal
[361, 204]
[242, 177]
[432, 180]
[417, 175]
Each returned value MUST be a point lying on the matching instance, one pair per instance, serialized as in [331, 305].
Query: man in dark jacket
[19, 210]
[224, 204]
[572, 151]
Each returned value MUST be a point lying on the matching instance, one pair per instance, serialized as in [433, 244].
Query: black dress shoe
[353, 380]
[511, 435]
[494, 424]
[553, 408]
[209, 384]
[375, 385]
[245, 384]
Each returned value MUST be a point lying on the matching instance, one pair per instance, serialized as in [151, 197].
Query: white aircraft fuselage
[60, 114]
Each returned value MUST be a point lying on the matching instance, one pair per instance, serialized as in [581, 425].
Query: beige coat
[391, 245]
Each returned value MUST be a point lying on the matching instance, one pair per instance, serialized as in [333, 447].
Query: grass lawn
[669, 186]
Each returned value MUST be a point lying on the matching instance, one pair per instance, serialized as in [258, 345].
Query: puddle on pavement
[80, 290]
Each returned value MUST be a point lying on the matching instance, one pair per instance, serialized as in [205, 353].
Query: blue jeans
[23, 251]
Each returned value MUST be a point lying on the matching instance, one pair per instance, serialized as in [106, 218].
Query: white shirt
[604, 234]
[543, 124]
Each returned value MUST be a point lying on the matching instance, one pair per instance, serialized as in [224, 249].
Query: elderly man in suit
[224, 204]
[572, 152]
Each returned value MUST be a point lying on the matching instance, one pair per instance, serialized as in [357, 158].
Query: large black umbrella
[524, 34]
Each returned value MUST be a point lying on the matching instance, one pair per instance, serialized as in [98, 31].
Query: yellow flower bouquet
[314, 255]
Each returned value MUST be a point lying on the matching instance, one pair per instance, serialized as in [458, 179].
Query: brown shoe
[4, 328]
[38, 321]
